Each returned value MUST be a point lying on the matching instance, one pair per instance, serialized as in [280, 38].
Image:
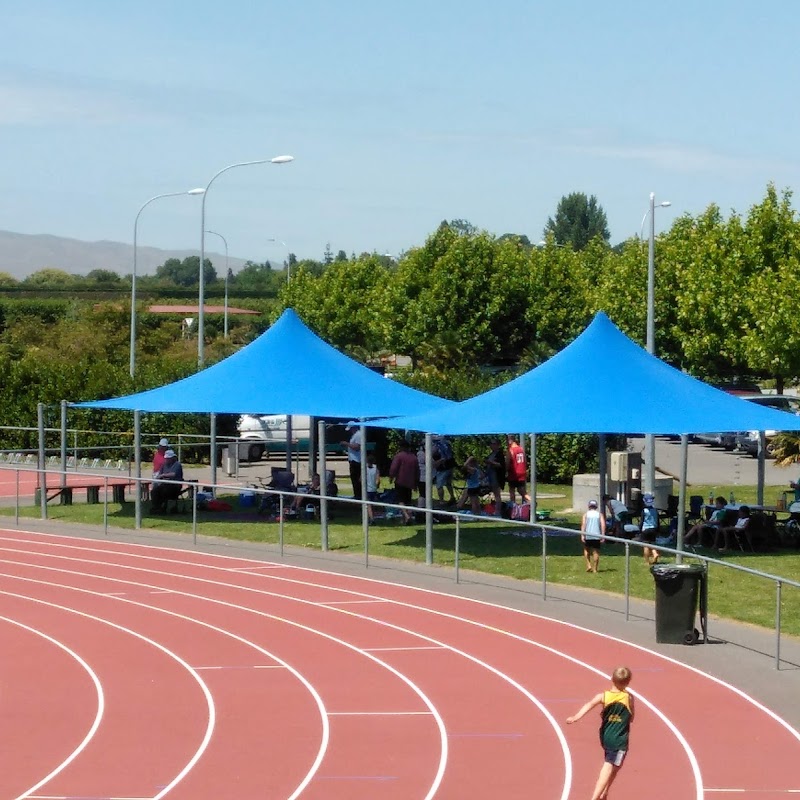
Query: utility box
[230, 460]
[618, 466]
[624, 474]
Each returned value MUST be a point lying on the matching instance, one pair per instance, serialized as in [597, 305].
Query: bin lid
[676, 570]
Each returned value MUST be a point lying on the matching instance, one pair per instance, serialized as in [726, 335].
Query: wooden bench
[65, 493]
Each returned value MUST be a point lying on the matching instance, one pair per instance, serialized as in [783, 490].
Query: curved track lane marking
[98, 715]
[324, 715]
[401, 587]
[209, 700]
[566, 755]
[568, 772]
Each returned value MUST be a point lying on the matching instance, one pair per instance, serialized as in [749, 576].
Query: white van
[268, 433]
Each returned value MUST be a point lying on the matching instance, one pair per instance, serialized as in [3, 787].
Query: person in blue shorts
[616, 716]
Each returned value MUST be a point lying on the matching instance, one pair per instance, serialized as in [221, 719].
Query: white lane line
[410, 647]
[252, 570]
[559, 733]
[412, 589]
[759, 791]
[443, 751]
[209, 700]
[379, 713]
[349, 602]
[245, 666]
[101, 703]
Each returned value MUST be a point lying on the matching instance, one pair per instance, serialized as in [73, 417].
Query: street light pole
[132, 366]
[225, 242]
[650, 342]
[202, 281]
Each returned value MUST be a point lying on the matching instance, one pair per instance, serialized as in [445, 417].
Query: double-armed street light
[202, 291]
[133, 275]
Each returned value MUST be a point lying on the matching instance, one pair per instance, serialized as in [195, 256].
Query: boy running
[616, 717]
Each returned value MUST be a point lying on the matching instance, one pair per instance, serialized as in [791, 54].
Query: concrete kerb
[739, 654]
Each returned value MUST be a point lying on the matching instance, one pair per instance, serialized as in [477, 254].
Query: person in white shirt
[593, 531]
[353, 446]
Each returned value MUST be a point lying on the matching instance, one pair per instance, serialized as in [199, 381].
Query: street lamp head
[281, 159]
[665, 203]
[196, 191]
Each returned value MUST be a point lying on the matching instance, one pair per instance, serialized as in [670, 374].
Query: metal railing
[285, 499]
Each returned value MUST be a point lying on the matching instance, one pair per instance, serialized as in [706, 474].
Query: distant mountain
[22, 254]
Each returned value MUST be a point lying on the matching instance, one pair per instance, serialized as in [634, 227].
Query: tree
[50, 277]
[772, 234]
[107, 276]
[187, 272]
[254, 277]
[578, 220]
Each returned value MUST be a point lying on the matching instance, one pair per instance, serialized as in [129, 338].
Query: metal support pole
[137, 472]
[682, 497]
[42, 465]
[323, 487]
[458, 546]
[533, 478]
[362, 468]
[428, 477]
[213, 452]
[627, 581]
[63, 442]
[544, 563]
[778, 625]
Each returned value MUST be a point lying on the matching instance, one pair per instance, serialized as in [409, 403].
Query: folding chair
[696, 509]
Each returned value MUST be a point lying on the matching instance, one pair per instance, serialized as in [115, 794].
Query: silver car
[747, 441]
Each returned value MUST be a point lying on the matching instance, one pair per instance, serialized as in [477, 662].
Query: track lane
[650, 679]
[48, 727]
[134, 708]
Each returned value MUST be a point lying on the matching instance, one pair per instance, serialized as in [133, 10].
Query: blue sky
[399, 115]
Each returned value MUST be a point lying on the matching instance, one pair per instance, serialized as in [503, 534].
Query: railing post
[42, 467]
[777, 624]
[458, 546]
[366, 526]
[544, 562]
[105, 505]
[16, 500]
[280, 523]
[627, 581]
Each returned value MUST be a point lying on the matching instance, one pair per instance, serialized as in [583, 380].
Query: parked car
[747, 441]
[725, 439]
[267, 433]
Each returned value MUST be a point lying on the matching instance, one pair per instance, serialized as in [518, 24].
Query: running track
[135, 672]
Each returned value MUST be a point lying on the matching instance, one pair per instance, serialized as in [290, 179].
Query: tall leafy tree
[772, 244]
[186, 272]
[577, 221]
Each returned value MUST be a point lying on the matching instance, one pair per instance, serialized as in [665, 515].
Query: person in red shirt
[404, 471]
[516, 471]
[158, 457]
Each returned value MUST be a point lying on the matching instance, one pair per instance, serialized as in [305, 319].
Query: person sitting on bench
[162, 492]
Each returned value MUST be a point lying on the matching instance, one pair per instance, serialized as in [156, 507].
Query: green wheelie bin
[679, 588]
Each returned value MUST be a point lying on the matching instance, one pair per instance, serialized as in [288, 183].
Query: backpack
[445, 453]
[521, 512]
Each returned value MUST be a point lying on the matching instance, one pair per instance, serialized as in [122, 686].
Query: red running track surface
[143, 672]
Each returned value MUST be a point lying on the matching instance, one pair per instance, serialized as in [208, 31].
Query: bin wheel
[692, 637]
[254, 452]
